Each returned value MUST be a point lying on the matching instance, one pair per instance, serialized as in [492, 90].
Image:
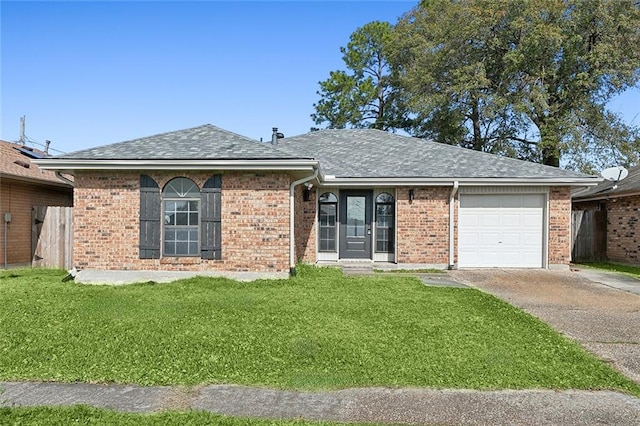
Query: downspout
[451, 224]
[64, 179]
[292, 207]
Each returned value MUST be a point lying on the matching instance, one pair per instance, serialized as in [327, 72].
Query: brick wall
[423, 225]
[18, 198]
[623, 230]
[305, 225]
[255, 222]
[559, 226]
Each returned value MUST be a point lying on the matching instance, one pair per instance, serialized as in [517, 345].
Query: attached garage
[501, 230]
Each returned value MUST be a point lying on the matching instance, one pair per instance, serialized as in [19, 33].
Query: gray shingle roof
[346, 153]
[202, 142]
[605, 188]
[373, 153]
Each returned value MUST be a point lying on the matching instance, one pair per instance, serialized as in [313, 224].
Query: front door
[355, 224]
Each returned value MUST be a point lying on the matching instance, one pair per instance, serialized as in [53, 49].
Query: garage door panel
[488, 238]
[489, 219]
[471, 220]
[531, 219]
[510, 220]
[511, 239]
[501, 230]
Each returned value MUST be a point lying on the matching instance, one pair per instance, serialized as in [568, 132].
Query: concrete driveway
[602, 318]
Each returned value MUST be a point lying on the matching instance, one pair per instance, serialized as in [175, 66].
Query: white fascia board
[418, 181]
[73, 164]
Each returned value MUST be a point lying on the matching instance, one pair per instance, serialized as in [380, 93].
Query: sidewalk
[609, 278]
[408, 406]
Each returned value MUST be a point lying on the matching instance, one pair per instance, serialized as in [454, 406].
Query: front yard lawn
[319, 330]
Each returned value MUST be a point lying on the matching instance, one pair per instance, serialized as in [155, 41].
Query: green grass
[82, 414]
[633, 271]
[319, 330]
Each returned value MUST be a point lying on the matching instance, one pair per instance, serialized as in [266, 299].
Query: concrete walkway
[407, 406]
[610, 279]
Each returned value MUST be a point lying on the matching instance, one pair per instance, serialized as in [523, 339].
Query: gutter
[605, 197]
[246, 164]
[329, 180]
[452, 197]
[62, 178]
[292, 239]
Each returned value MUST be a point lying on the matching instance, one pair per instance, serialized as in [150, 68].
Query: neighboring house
[209, 201]
[618, 206]
[23, 185]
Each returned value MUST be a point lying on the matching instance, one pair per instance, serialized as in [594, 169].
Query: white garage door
[501, 230]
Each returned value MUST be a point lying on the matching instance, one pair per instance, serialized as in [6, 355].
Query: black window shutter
[211, 219]
[149, 218]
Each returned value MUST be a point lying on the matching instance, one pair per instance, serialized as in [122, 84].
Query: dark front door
[355, 224]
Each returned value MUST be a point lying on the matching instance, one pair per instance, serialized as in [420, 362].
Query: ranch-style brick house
[208, 201]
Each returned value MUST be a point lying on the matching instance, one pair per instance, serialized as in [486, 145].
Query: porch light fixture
[412, 195]
[306, 194]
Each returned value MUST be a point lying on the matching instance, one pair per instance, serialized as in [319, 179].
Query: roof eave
[328, 180]
[606, 196]
[36, 181]
[228, 164]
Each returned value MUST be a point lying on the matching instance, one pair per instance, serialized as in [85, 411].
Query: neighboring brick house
[208, 201]
[619, 203]
[23, 185]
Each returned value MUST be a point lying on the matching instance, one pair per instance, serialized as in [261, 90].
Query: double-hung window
[181, 214]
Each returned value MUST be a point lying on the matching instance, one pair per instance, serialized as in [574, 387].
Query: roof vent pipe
[275, 136]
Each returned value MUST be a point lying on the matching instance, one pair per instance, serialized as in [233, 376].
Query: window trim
[390, 230]
[163, 200]
[334, 202]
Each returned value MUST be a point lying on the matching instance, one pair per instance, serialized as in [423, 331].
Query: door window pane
[355, 216]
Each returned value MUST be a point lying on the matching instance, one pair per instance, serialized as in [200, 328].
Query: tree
[363, 96]
[519, 76]
[450, 76]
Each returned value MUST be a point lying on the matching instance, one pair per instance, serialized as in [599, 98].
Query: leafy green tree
[521, 77]
[363, 96]
[443, 54]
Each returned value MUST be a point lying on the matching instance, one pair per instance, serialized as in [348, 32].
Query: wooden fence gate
[588, 236]
[52, 237]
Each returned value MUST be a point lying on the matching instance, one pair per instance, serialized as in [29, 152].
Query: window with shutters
[181, 218]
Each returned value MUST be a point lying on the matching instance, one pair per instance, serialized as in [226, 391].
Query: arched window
[327, 212]
[181, 218]
[385, 215]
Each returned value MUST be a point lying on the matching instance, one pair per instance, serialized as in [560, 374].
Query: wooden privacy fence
[588, 236]
[52, 237]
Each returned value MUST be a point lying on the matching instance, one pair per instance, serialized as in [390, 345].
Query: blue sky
[91, 73]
